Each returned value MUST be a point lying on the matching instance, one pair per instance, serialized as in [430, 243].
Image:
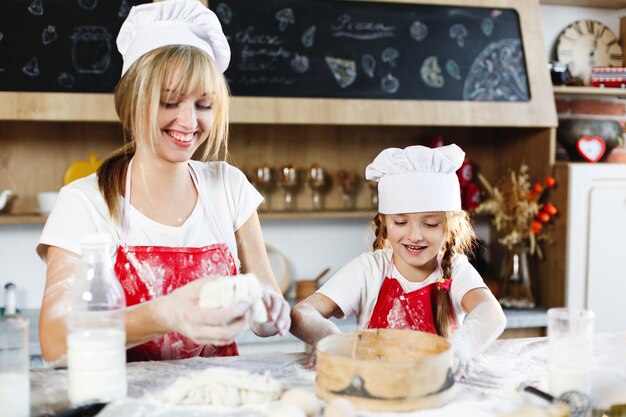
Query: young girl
[417, 277]
[174, 220]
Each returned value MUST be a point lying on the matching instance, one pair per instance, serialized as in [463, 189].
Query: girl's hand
[462, 363]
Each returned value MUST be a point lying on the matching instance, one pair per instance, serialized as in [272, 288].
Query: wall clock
[585, 44]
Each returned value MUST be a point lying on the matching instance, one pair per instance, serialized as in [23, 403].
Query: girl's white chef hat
[173, 22]
[417, 179]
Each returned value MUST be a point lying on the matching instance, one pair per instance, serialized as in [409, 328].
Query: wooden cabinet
[42, 133]
[593, 242]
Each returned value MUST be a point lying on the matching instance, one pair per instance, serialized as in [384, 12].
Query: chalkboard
[378, 50]
[61, 45]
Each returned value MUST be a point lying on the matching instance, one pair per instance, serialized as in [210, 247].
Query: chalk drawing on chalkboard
[285, 18]
[452, 68]
[88, 4]
[36, 8]
[418, 31]
[344, 70]
[458, 32]
[431, 72]
[91, 49]
[124, 9]
[66, 80]
[389, 84]
[389, 55]
[308, 37]
[224, 12]
[49, 34]
[300, 63]
[345, 27]
[31, 68]
[368, 63]
[486, 26]
[498, 74]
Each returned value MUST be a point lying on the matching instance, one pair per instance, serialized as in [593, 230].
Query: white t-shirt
[81, 209]
[355, 287]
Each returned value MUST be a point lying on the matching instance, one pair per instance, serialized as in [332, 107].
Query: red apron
[148, 272]
[396, 309]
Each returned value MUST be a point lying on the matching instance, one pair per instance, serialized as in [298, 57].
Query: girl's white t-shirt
[355, 287]
[80, 209]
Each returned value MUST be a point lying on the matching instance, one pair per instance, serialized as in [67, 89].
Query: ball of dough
[339, 407]
[305, 400]
[286, 410]
[225, 291]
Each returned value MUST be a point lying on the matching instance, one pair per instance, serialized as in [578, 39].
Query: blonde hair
[459, 239]
[138, 96]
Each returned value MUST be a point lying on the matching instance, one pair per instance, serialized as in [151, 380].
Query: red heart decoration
[591, 148]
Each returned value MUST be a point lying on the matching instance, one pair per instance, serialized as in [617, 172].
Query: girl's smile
[416, 239]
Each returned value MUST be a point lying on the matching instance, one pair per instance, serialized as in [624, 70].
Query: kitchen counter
[490, 390]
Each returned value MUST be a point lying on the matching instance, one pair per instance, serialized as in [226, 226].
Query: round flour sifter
[386, 369]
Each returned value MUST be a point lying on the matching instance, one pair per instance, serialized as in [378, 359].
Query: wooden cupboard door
[606, 270]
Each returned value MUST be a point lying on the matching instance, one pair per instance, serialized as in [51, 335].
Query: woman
[175, 220]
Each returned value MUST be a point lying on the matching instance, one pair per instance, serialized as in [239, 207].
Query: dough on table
[223, 387]
[286, 410]
[303, 399]
[226, 291]
[339, 407]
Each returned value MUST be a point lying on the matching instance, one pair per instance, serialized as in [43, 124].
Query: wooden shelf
[64, 107]
[589, 91]
[602, 4]
[327, 214]
[274, 215]
[26, 218]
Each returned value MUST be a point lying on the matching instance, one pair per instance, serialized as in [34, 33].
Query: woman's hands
[278, 315]
[180, 312]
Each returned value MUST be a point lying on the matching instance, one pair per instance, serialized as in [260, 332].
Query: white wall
[309, 245]
[556, 18]
[20, 264]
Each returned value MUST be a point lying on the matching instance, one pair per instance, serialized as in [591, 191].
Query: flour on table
[223, 387]
[226, 291]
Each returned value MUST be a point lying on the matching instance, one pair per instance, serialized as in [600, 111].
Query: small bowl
[46, 200]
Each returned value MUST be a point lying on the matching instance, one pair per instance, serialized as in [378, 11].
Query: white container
[96, 334]
[14, 362]
[15, 395]
[570, 340]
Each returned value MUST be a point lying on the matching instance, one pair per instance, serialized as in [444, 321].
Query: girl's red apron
[396, 309]
[148, 272]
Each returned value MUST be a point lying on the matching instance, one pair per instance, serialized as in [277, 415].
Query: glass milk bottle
[96, 335]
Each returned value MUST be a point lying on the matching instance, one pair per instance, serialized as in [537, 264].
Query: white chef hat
[174, 22]
[417, 179]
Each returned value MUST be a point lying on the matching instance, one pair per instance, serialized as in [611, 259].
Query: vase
[516, 289]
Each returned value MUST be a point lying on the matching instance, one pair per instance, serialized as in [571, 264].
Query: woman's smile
[181, 139]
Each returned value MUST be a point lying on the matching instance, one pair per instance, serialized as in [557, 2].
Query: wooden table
[491, 390]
